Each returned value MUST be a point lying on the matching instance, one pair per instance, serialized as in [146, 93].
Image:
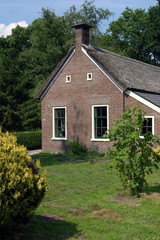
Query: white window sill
[100, 140]
[58, 139]
[141, 137]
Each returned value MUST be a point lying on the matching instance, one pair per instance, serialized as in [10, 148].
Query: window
[68, 79]
[59, 123]
[89, 76]
[100, 122]
[148, 125]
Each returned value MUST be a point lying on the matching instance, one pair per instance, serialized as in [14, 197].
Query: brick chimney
[81, 35]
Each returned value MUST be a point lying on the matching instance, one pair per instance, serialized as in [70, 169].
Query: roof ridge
[119, 55]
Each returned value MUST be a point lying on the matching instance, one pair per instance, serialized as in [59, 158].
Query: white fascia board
[57, 74]
[142, 100]
[83, 50]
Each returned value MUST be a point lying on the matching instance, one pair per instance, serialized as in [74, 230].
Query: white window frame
[142, 137]
[53, 124]
[89, 76]
[93, 124]
[68, 78]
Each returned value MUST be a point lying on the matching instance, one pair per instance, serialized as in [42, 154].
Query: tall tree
[127, 35]
[88, 13]
[12, 87]
[135, 34]
[154, 33]
[48, 45]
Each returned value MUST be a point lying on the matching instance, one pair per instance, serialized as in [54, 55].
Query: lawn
[86, 202]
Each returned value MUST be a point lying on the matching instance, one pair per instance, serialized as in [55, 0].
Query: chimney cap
[82, 25]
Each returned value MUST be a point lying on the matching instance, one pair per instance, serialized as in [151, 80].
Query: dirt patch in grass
[76, 211]
[107, 213]
[153, 195]
[126, 199]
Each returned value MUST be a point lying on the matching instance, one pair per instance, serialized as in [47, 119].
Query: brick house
[88, 89]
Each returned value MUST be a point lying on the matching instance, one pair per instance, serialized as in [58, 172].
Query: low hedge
[31, 140]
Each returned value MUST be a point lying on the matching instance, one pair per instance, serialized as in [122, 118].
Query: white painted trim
[100, 140]
[142, 100]
[57, 74]
[53, 124]
[85, 52]
[68, 78]
[93, 125]
[89, 78]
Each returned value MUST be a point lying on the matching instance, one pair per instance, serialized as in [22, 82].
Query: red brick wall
[131, 102]
[78, 96]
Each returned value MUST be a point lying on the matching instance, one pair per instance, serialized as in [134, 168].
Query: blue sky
[23, 12]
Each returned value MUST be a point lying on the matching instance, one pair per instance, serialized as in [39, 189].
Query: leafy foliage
[31, 140]
[76, 146]
[131, 154]
[21, 186]
[156, 154]
[88, 13]
[135, 34]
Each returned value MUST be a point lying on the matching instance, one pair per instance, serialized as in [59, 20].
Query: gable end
[85, 52]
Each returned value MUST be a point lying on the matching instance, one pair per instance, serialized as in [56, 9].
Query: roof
[127, 73]
[151, 97]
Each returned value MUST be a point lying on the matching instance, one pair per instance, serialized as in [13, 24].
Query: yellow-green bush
[21, 186]
[156, 154]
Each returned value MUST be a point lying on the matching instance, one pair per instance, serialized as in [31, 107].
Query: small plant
[156, 154]
[76, 146]
[131, 154]
[21, 186]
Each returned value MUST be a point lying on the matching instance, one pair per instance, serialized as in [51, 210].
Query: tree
[13, 90]
[153, 30]
[127, 35]
[132, 154]
[88, 13]
[48, 45]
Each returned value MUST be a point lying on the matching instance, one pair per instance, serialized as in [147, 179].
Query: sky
[24, 12]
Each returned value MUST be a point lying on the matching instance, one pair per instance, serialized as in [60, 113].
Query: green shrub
[21, 186]
[31, 140]
[132, 155]
[76, 146]
[156, 154]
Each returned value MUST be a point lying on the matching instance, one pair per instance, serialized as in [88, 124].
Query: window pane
[147, 126]
[57, 113]
[104, 122]
[59, 122]
[143, 130]
[62, 113]
[150, 129]
[100, 121]
[104, 131]
[104, 111]
[150, 122]
[97, 112]
[98, 132]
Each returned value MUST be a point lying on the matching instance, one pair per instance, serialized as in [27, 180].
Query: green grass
[85, 201]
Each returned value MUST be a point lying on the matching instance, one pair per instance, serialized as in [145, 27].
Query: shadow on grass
[48, 158]
[152, 189]
[42, 227]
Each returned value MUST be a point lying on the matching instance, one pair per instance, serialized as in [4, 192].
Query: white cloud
[6, 30]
